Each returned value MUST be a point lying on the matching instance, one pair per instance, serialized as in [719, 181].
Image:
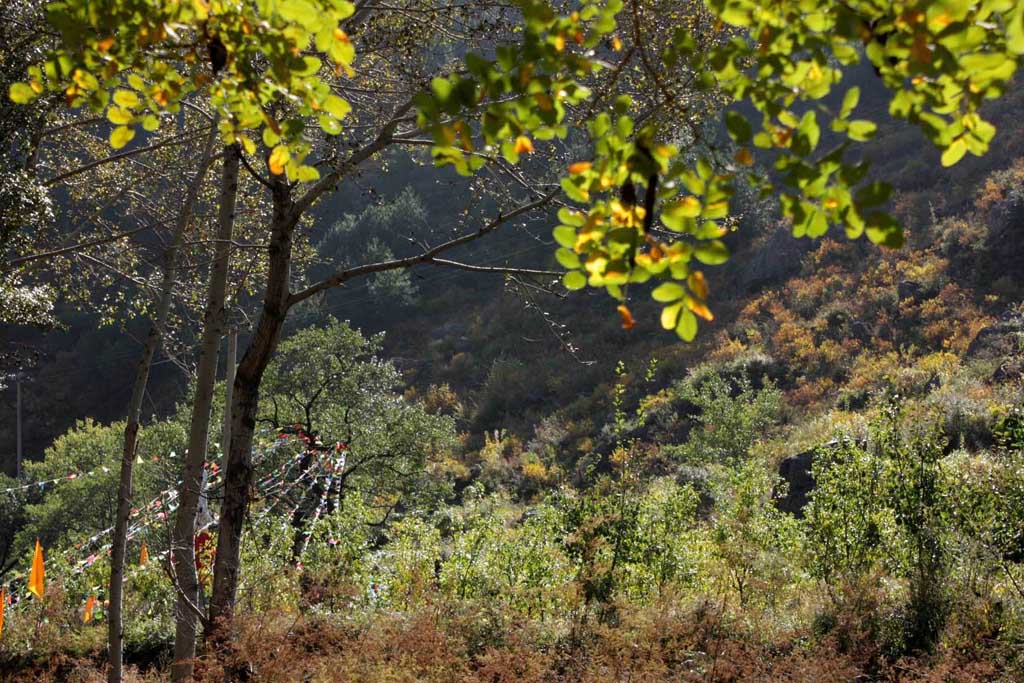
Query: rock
[1004, 244]
[860, 330]
[796, 472]
[908, 289]
[1001, 343]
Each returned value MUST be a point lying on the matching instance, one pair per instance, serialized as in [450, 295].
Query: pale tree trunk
[119, 543]
[182, 539]
[229, 386]
[248, 376]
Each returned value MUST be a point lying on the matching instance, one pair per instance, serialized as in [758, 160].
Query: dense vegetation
[458, 468]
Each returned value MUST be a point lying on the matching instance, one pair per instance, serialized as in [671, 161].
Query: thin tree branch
[81, 245]
[176, 140]
[429, 255]
[491, 269]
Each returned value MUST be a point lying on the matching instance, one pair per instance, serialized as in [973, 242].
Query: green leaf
[565, 235]
[712, 253]
[336, 106]
[883, 229]
[302, 12]
[738, 127]
[955, 152]
[670, 315]
[668, 292]
[126, 99]
[572, 191]
[809, 131]
[567, 258]
[21, 93]
[306, 174]
[574, 280]
[329, 124]
[861, 130]
[119, 116]
[121, 136]
[570, 217]
[850, 100]
[687, 326]
[873, 194]
[442, 88]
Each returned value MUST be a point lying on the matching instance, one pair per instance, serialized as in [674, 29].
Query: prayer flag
[87, 613]
[35, 579]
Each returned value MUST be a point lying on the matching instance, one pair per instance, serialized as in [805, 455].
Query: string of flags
[163, 504]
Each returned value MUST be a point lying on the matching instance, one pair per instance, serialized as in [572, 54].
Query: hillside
[455, 465]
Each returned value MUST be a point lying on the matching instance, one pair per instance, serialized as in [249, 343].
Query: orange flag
[87, 613]
[3, 603]
[143, 555]
[35, 579]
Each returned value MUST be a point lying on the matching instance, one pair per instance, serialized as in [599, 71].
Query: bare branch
[81, 245]
[181, 139]
[427, 256]
[492, 269]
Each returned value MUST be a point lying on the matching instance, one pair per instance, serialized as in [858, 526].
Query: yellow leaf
[523, 145]
[36, 578]
[627, 318]
[743, 157]
[278, 158]
[559, 42]
[698, 285]
[700, 309]
[616, 43]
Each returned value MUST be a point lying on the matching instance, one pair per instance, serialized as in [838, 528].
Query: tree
[359, 435]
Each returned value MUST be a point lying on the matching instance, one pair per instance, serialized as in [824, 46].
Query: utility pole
[19, 455]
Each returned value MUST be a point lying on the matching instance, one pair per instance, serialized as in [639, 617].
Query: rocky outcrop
[1005, 242]
[796, 472]
[1002, 344]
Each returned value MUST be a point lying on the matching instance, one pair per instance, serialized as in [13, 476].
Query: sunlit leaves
[92, 66]
[121, 136]
[935, 58]
[21, 93]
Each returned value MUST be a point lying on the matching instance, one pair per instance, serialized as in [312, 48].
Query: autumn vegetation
[458, 341]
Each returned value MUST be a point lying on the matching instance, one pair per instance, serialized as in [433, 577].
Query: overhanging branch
[429, 255]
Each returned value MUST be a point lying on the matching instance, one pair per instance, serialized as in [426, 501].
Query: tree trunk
[248, 376]
[119, 543]
[190, 491]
